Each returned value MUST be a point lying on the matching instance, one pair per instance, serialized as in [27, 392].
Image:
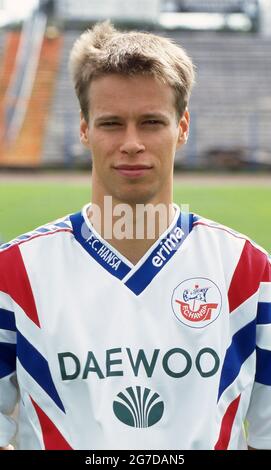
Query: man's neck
[131, 229]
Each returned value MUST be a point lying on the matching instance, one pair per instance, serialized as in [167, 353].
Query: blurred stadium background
[230, 43]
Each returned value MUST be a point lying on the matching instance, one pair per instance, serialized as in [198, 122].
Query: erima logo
[170, 244]
[138, 407]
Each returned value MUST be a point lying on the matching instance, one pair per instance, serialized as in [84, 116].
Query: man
[131, 334]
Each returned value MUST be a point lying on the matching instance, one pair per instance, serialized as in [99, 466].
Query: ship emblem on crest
[196, 302]
[195, 294]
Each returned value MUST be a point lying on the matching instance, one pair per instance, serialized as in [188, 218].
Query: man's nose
[132, 144]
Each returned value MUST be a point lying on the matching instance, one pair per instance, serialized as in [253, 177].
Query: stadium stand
[61, 140]
[230, 105]
[2, 44]
[9, 46]
[29, 98]
[216, 6]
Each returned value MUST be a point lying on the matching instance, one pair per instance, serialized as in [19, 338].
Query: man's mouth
[133, 171]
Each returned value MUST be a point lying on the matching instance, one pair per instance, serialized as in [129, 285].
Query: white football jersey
[171, 353]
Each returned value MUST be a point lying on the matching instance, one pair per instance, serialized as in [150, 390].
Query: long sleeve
[259, 413]
[8, 387]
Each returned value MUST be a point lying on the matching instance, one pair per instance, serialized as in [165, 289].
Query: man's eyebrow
[154, 115]
[109, 117]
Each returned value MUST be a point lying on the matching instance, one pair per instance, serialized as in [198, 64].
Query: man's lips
[133, 171]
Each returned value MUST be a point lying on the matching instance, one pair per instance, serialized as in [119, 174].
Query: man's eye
[110, 124]
[153, 122]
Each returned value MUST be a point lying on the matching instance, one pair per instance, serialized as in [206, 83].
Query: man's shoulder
[217, 226]
[226, 233]
[62, 224]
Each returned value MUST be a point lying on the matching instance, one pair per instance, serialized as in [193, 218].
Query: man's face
[132, 134]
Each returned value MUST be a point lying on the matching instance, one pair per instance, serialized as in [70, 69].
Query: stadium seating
[26, 150]
[61, 144]
[230, 105]
[232, 100]
[215, 6]
[8, 49]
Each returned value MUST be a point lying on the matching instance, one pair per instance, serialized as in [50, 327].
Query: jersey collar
[135, 277]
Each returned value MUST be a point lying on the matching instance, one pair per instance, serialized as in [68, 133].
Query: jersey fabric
[171, 353]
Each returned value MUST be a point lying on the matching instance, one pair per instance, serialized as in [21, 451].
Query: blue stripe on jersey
[7, 320]
[48, 228]
[42, 230]
[242, 346]
[23, 237]
[161, 254]
[96, 248]
[264, 313]
[35, 364]
[263, 366]
[7, 359]
[62, 225]
[4, 246]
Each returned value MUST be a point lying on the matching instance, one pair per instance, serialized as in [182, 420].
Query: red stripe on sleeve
[267, 273]
[14, 281]
[226, 425]
[249, 272]
[52, 437]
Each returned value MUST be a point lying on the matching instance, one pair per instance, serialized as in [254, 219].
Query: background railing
[21, 83]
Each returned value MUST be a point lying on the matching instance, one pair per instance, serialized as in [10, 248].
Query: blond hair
[104, 50]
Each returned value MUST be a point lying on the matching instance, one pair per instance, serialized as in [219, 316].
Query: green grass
[247, 209]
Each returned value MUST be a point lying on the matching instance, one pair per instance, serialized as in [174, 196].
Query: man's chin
[135, 197]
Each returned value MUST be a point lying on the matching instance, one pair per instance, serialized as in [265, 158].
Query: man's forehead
[114, 93]
[124, 82]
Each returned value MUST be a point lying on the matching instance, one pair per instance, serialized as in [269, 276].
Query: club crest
[196, 302]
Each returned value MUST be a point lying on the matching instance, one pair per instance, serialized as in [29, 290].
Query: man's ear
[84, 131]
[183, 128]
